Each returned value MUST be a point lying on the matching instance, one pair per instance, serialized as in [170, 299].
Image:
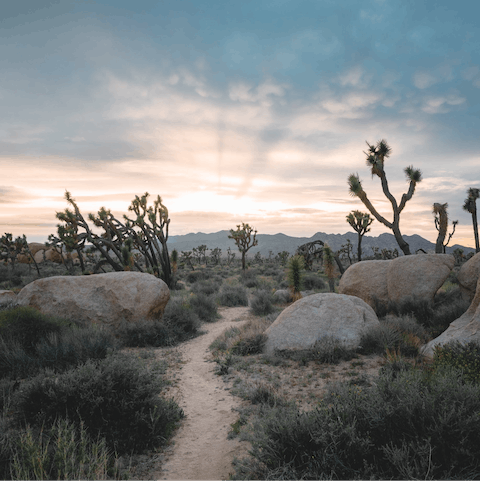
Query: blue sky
[251, 111]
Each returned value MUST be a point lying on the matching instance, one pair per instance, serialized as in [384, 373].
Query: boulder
[417, 276]
[366, 280]
[309, 319]
[468, 276]
[7, 297]
[35, 247]
[464, 329]
[283, 296]
[39, 256]
[100, 299]
[53, 256]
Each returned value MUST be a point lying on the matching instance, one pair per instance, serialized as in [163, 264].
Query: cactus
[375, 160]
[244, 240]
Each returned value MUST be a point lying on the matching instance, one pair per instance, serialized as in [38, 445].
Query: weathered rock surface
[468, 276]
[101, 299]
[6, 297]
[366, 280]
[307, 320]
[283, 295]
[464, 329]
[418, 276]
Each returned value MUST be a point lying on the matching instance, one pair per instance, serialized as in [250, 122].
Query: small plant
[313, 281]
[296, 266]
[465, 357]
[262, 302]
[232, 296]
[204, 307]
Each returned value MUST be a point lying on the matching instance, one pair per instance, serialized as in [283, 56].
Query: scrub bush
[262, 302]
[231, 296]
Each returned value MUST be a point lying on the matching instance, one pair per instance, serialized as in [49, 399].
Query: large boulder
[7, 297]
[110, 298]
[53, 256]
[35, 247]
[309, 319]
[464, 329]
[468, 276]
[419, 276]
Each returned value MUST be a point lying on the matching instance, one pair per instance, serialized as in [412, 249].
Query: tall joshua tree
[243, 239]
[360, 222]
[376, 155]
[470, 205]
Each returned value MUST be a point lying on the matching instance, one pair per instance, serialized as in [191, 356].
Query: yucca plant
[296, 267]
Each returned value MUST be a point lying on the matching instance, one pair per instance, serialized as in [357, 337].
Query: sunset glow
[237, 111]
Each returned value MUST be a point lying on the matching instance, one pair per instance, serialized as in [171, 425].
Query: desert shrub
[262, 302]
[64, 451]
[195, 276]
[207, 287]
[262, 393]
[231, 296]
[328, 349]
[180, 319]
[57, 350]
[26, 326]
[465, 357]
[249, 278]
[116, 398]
[395, 333]
[411, 425]
[146, 333]
[244, 340]
[313, 281]
[204, 307]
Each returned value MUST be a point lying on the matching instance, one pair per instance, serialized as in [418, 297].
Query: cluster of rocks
[43, 253]
[117, 297]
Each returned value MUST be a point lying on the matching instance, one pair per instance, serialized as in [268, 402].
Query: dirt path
[201, 449]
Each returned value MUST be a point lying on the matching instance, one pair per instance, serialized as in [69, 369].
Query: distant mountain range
[281, 242]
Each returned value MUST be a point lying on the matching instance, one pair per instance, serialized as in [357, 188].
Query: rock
[307, 320]
[283, 296]
[464, 329]
[53, 256]
[39, 256]
[7, 297]
[35, 247]
[366, 280]
[417, 276]
[468, 276]
[100, 299]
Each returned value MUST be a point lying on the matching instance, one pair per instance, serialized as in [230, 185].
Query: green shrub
[146, 333]
[180, 320]
[262, 393]
[204, 307]
[26, 326]
[296, 272]
[262, 302]
[116, 398]
[231, 296]
[57, 350]
[465, 357]
[411, 425]
[249, 278]
[64, 451]
[313, 281]
[207, 288]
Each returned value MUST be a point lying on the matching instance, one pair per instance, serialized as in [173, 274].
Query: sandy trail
[201, 449]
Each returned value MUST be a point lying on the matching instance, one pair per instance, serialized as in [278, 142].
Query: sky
[237, 111]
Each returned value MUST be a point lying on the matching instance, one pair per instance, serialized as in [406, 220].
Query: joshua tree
[441, 224]
[470, 205]
[296, 267]
[243, 239]
[360, 223]
[283, 257]
[11, 248]
[328, 266]
[376, 156]
[216, 255]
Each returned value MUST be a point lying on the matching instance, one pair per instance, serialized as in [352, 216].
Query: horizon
[252, 112]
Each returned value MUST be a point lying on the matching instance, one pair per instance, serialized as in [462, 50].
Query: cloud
[353, 105]
[243, 92]
[439, 105]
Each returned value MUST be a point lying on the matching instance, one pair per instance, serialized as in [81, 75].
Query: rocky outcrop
[419, 276]
[309, 319]
[468, 276]
[464, 329]
[110, 298]
[7, 297]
